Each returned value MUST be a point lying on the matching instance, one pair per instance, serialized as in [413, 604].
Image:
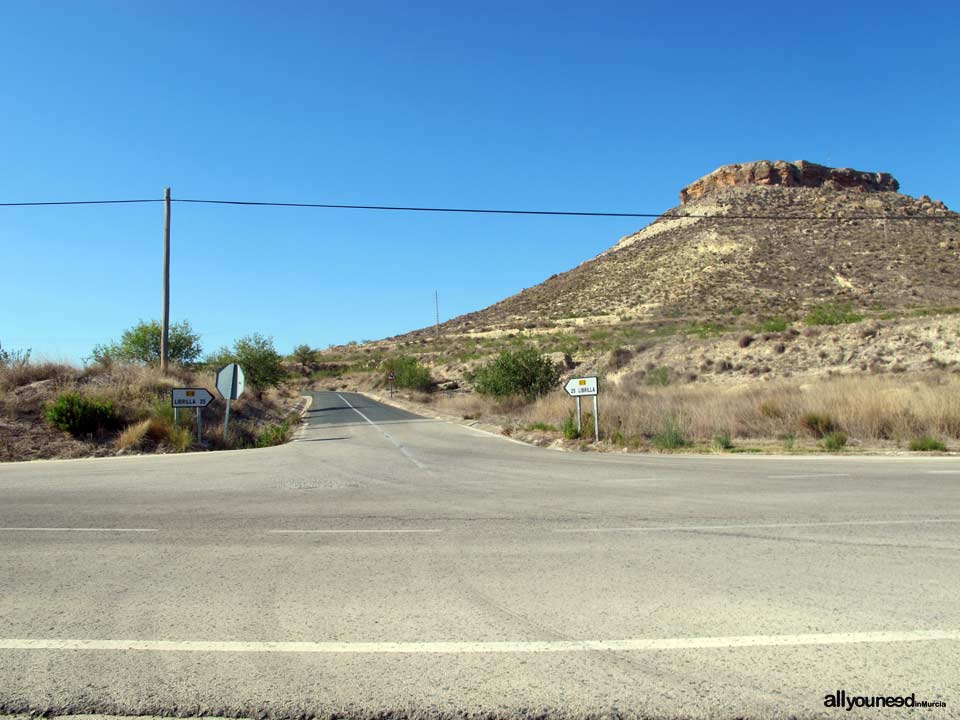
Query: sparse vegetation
[722, 442]
[657, 377]
[835, 441]
[670, 436]
[305, 355]
[926, 443]
[817, 424]
[570, 431]
[262, 365]
[833, 313]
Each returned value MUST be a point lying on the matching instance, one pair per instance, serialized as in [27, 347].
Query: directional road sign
[190, 397]
[230, 381]
[578, 387]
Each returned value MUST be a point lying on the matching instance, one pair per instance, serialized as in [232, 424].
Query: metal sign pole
[176, 416]
[596, 420]
[199, 425]
[579, 424]
[226, 421]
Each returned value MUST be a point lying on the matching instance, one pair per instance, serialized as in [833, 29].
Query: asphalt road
[391, 565]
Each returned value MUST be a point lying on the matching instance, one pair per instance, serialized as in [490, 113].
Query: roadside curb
[307, 402]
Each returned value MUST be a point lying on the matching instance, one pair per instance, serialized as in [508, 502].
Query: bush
[619, 357]
[835, 441]
[517, 372]
[274, 435]
[833, 313]
[569, 428]
[409, 373]
[141, 344]
[722, 442]
[79, 416]
[14, 358]
[670, 436]
[817, 424]
[545, 427]
[927, 444]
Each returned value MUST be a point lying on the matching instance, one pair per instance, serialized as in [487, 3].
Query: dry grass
[141, 396]
[867, 408]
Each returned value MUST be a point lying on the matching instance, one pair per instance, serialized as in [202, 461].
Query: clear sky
[538, 105]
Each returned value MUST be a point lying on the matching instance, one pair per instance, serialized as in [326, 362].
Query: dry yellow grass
[868, 408]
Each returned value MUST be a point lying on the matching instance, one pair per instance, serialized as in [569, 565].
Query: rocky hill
[756, 239]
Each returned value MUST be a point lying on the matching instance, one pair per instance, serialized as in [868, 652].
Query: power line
[491, 211]
[78, 202]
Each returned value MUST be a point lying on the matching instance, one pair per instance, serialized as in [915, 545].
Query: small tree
[262, 365]
[517, 372]
[141, 344]
[304, 355]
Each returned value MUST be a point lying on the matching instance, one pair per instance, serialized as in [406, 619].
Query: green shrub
[305, 355]
[77, 415]
[570, 431]
[817, 424]
[835, 441]
[833, 313]
[409, 373]
[926, 443]
[274, 435]
[670, 436]
[723, 442]
[517, 372]
[545, 427]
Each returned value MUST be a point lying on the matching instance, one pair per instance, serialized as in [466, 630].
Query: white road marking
[404, 530]
[532, 646]
[804, 477]
[79, 529]
[387, 435]
[675, 528]
[942, 472]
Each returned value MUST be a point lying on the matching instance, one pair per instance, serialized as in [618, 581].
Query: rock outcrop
[797, 174]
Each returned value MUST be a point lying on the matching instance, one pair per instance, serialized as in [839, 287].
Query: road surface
[387, 564]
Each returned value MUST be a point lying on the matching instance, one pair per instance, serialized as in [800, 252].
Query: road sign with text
[578, 387]
[190, 397]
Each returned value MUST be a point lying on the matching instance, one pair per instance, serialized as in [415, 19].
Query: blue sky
[538, 105]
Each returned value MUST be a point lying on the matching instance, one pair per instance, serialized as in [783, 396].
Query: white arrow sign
[578, 387]
[190, 397]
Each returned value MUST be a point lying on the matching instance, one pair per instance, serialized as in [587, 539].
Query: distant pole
[165, 333]
[579, 416]
[436, 300]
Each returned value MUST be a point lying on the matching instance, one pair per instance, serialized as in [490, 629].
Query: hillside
[757, 239]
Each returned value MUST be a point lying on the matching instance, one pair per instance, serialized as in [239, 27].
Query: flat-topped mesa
[795, 174]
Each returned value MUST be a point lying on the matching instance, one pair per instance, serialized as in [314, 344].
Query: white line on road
[674, 528]
[806, 477]
[79, 529]
[404, 530]
[942, 472]
[533, 646]
[387, 435]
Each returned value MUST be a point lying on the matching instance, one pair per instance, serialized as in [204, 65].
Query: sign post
[391, 378]
[197, 398]
[230, 383]
[585, 387]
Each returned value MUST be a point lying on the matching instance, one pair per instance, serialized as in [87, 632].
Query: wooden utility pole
[436, 300]
[165, 332]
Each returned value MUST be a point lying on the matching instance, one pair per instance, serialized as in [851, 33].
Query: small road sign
[391, 376]
[190, 397]
[230, 381]
[578, 387]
